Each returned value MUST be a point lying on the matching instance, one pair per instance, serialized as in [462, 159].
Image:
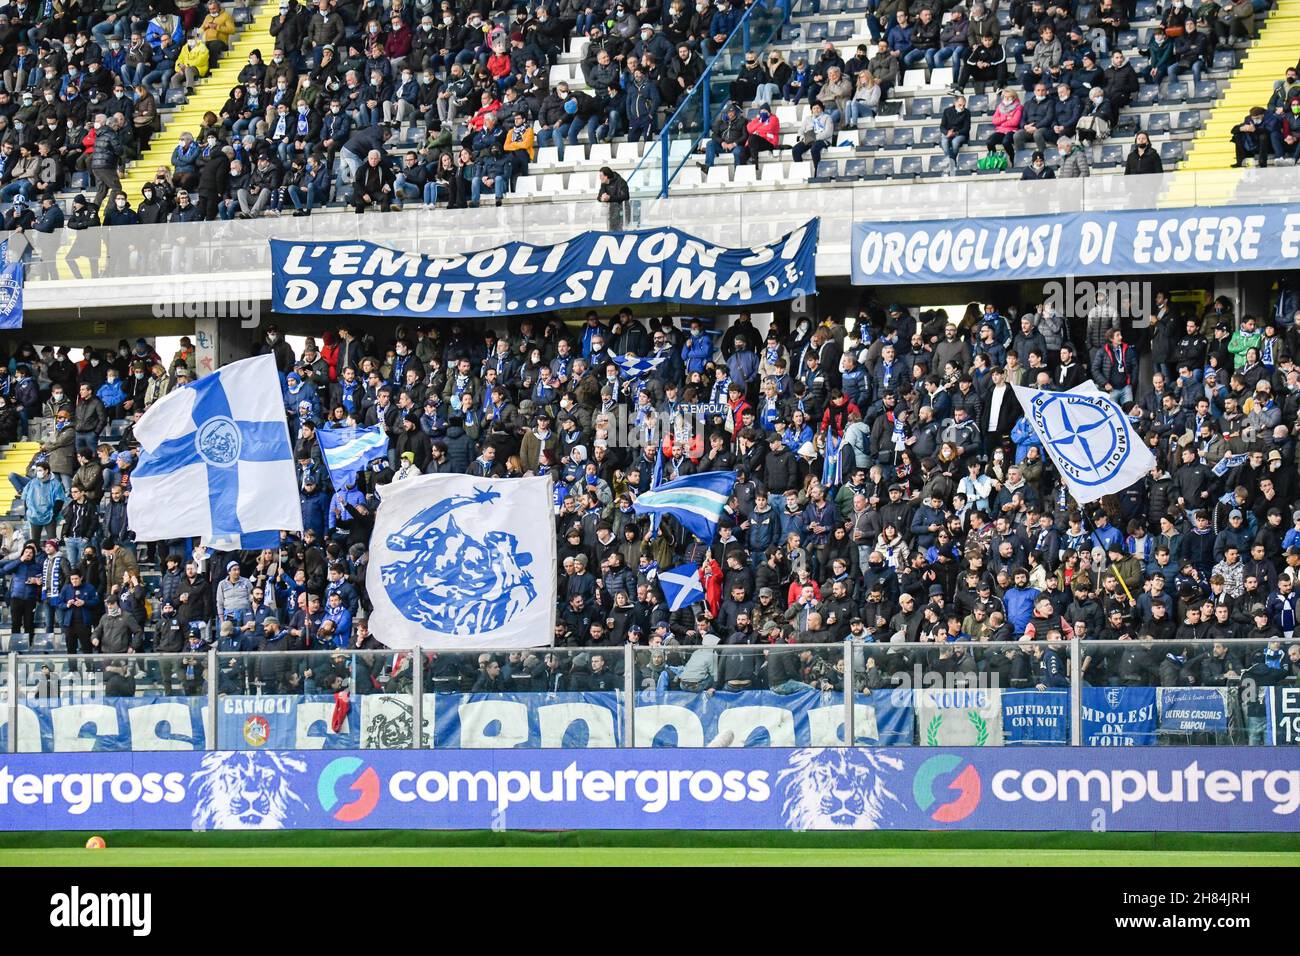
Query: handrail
[702, 84]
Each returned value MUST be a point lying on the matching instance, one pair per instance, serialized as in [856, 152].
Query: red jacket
[770, 131]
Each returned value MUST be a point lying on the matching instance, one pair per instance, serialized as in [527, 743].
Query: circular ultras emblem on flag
[217, 442]
[1086, 434]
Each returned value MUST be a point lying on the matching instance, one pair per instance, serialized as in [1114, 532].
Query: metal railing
[696, 112]
[1202, 693]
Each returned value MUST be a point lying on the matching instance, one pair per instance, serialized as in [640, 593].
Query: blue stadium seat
[921, 107]
[843, 30]
[818, 31]
[1158, 123]
[1083, 11]
[1147, 95]
[983, 131]
[1172, 151]
[929, 136]
[881, 168]
[1126, 39]
[1004, 17]
[944, 103]
[1224, 60]
[904, 137]
[833, 6]
[967, 161]
[1145, 10]
[1111, 155]
[1190, 119]
[854, 169]
[857, 6]
[241, 15]
[871, 139]
[1206, 91]
[1139, 64]
[911, 166]
[979, 103]
[938, 165]
[1014, 46]
[827, 170]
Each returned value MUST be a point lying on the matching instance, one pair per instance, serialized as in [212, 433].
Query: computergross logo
[966, 783]
[365, 784]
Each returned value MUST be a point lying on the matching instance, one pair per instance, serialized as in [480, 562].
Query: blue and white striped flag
[696, 501]
[349, 450]
[630, 366]
[681, 586]
[1227, 463]
[831, 464]
[216, 462]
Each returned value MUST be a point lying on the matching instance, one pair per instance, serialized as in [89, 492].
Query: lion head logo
[830, 788]
[245, 790]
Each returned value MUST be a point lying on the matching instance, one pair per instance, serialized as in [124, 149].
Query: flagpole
[1092, 535]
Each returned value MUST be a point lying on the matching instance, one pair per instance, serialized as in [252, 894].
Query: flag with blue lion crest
[458, 561]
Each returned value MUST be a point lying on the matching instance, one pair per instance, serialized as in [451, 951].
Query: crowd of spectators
[384, 104]
[888, 489]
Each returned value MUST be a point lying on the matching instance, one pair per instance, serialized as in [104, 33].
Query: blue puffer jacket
[22, 570]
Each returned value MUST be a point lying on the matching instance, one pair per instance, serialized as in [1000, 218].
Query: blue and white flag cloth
[459, 561]
[1089, 439]
[696, 501]
[831, 461]
[681, 586]
[1227, 463]
[11, 290]
[630, 366]
[216, 462]
[349, 450]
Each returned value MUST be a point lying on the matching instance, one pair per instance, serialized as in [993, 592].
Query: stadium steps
[210, 94]
[1263, 64]
[14, 458]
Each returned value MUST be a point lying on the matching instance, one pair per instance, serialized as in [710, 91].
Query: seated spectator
[373, 185]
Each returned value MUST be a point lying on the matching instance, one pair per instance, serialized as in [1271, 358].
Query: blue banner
[526, 720]
[1035, 717]
[1237, 789]
[1118, 716]
[179, 723]
[1192, 710]
[766, 719]
[592, 270]
[11, 290]
[1125, 242]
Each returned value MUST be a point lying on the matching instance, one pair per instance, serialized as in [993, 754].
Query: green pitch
[627, 856]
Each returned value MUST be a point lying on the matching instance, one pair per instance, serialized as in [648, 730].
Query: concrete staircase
[210, 94]
[16, 458]
[1264, 64]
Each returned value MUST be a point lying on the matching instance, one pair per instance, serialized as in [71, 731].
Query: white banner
[959, 718]
[457, 561]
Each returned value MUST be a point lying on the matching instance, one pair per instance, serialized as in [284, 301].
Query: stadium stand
[901, 137]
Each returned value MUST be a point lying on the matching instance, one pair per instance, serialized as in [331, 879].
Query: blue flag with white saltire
[216, 462]
[349, 450]
[11, 290]
[696, 501]
[630, 366]
[681, 586]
